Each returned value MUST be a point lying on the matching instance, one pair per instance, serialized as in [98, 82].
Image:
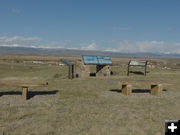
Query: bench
[155, 88]
[24, 86]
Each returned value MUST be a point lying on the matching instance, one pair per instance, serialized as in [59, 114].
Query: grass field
[84, 106]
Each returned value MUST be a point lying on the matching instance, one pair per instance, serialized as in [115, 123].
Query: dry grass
[84, 106]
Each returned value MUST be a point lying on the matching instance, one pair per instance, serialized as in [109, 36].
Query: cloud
[19, 38]
[92, 46]
[34, 42]
[15, 10]
[12, 45]
[128, 46]
[124, 46]
[111, 50]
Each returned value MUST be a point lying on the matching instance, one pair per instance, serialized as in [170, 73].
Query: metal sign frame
[140, 63]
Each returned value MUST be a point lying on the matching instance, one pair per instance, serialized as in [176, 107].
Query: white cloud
[125, 46]
[12, 45]
[34, 42]
[19, 38]
[15, 10]
[92, 46]
[128, 46]
[111, 50]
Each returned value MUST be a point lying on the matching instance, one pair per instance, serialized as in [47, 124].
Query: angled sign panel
[97, 60]
[137, 63]
[67, 62]
[90, 59]
[104, 59]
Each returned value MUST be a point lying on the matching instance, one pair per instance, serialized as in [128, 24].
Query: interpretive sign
[71, 68]
[66, 62]
[104, 60]
[102, 64]
[97, 60]
[141, 63]
[90, 59]
[137, 63]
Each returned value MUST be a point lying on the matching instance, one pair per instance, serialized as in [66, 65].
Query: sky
[106, 25]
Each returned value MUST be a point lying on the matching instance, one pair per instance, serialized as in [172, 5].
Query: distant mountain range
[75, 52]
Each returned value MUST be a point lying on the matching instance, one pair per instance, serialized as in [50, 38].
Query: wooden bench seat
[24, 86]
[155, 88]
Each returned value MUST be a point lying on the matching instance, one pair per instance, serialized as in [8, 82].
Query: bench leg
[156, 90]
[24, 93]
[127, 89]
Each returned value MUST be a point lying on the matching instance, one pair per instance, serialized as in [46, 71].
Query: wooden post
[25, 93]
[127, 89]
[69, 72]
[156, 89]
[145, 70]
[72, 71]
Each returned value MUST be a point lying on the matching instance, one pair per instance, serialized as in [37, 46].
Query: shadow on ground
[31, 94]
[137, 72]
[135, 90]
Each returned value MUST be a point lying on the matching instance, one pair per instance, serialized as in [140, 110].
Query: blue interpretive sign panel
[90, 59]
[97, 60]
[104, 59]
[67, 62]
